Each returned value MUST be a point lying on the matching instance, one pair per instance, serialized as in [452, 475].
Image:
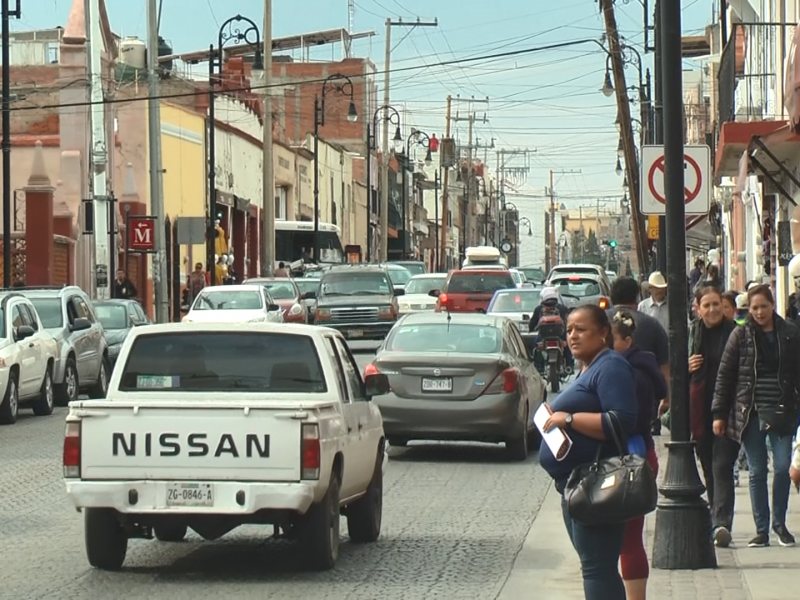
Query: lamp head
[352, 113]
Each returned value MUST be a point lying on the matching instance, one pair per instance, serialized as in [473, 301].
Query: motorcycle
[551, 347]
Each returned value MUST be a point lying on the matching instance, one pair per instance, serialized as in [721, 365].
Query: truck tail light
[504, 383]
[311, 452]
[371, 369]
[72, 450]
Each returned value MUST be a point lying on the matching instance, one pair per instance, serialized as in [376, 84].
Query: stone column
[38, 223]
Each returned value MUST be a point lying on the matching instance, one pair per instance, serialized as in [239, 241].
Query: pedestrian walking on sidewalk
[755, 399]
[605, 384]
[650, 387]
[708, 336]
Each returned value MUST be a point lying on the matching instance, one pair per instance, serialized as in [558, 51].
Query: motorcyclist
[549, 304]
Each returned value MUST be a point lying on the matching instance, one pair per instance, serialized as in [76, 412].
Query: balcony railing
[752, 55]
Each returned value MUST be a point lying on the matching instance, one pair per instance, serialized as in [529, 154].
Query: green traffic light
[613, 243]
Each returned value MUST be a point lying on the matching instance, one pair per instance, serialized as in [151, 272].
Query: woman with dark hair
[729, 305]
[707, 338]
[650, 387]
[604, 385]
[755, 399]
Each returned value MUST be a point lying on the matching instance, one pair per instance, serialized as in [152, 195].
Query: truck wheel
[106, 541]
[320, 530]
[365, 514]
[68, 390]
[170, 533]
[44, 403]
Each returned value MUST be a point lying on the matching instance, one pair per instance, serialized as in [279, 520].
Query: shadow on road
[465, 452]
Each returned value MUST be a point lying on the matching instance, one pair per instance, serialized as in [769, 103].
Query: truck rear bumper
[150, 497]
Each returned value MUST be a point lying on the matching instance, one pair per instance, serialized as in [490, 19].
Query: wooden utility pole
[626, 132]
[445, 199]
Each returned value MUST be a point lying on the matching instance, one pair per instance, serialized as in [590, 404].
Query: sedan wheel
[9, 409]
[45, 401]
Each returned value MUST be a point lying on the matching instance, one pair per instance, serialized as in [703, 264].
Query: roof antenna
[449, 318]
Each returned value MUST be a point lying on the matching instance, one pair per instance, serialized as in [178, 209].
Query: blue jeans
[598, 548]
[755, 446]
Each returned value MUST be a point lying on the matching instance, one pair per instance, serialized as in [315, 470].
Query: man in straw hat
[656, 304]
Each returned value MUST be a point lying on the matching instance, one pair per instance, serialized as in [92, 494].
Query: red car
[286, 293]
[471, 290]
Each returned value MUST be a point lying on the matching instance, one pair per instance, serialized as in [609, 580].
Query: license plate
[523, 327]
[355, 333]
[190, 494]
[437, 384]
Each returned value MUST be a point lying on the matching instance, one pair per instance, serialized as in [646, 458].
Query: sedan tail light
[604, 303]
[505, 383]
[371, 369]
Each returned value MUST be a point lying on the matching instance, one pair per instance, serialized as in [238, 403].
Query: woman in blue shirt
[605, 384]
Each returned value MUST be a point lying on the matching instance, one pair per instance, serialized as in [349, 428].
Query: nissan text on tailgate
[471, 290]
[212, 426]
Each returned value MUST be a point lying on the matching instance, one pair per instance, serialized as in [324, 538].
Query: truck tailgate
[167, 443]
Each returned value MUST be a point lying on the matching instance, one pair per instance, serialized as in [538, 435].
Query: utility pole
[626, 129]
[267, 165]
[6, 15]
[384, 165]
[661, 243]
[156, 168]
[552, 194]
[682, 518]
[445, 200]
[471, 120]
[99, 152]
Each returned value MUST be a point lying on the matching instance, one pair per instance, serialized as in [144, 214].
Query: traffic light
[613, 243]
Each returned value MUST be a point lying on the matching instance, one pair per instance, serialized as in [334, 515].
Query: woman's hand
[719, 427]
[557, 419]
[695, 362]
[794, 474]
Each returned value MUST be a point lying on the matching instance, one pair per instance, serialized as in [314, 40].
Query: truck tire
[319, 531]
[106, 541]
[170, 533]
[364, 516]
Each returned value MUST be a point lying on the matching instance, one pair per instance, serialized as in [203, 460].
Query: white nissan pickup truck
[212, 426]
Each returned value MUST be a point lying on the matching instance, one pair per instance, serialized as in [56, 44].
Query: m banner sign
[141, 234]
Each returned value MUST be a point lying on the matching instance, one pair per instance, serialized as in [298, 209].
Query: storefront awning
[734, 139]
[767, 155]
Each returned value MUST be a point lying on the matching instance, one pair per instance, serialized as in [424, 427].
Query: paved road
[455, 517]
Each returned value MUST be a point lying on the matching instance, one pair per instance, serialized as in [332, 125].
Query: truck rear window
[223, 362]
[470, 283]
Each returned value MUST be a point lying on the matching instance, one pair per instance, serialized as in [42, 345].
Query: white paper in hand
[558, 441]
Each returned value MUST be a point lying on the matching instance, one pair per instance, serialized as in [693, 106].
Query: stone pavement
[547, 567]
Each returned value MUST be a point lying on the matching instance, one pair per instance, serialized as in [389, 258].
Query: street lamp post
[390, 115]
[420, 138]
[341, 84]
[238, 30]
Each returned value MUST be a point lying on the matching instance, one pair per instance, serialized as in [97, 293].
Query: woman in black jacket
[756, 397]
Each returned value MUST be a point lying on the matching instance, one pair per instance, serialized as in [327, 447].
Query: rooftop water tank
[133, 52]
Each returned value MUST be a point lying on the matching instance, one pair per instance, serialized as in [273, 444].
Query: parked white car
[212, 426]
[244, 303]
[417, 293]
[28, 356]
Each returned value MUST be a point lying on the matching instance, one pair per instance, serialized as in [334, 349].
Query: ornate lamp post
[341, 84]
[238, 30]
[383, 113]
[431, 144]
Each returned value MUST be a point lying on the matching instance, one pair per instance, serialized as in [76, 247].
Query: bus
[294, 239]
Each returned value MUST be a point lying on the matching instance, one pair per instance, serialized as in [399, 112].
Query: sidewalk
[547, 567]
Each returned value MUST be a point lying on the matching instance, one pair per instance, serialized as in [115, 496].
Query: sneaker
[785, 538]
[722, 537]
[760, 541]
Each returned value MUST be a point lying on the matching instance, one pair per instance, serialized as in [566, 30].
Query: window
[281, 290]
[355, 284]
[577, 287]
[515, 302]
[425, 285]
[354, 383]
[340, 376]
[333, 204]
[441, 337]
[476, 282]
[16, 318]
[399, 275]
[113, 316]
[49, 310]
[29, 314]
[82, 309]
[281, 203]
[225, 300]
[229, 362]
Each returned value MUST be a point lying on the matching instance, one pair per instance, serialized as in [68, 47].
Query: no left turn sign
[697, 188]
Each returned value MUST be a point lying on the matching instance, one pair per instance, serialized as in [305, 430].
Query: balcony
[749, 83]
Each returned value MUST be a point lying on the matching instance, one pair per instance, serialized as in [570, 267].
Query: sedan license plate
[437, 384]
[190, 494]
[523, 326]
[355, 333]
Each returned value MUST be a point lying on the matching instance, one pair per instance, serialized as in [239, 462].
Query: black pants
[717, 456]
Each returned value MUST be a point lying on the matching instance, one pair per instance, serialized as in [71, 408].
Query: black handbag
[611, 490]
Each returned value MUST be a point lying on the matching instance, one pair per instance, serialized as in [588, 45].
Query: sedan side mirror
[376, 384]
[273, 307]
[434, 293]
[23, 331]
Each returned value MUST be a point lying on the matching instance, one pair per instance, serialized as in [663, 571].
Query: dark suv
[358, 300]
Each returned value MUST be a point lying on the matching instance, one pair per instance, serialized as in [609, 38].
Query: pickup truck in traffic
[211, 426]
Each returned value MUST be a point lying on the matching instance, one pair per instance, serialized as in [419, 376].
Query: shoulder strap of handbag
[615, 426]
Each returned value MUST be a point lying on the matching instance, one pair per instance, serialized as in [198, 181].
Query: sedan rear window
[578, 287]
[515, 301]
[229, 300]
[223, 362]
[469, 283]
[441, 337]
[280, 290]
